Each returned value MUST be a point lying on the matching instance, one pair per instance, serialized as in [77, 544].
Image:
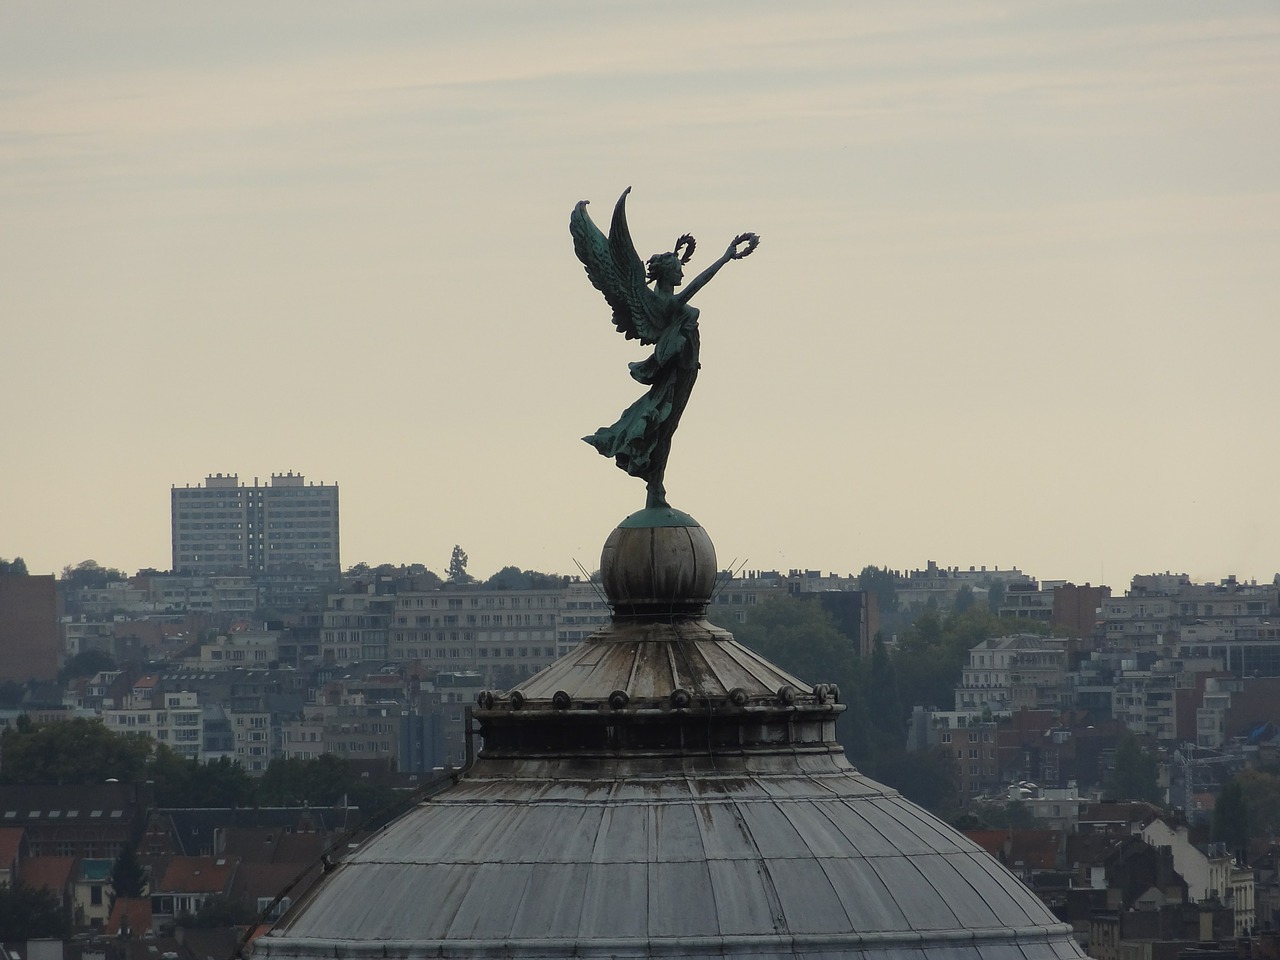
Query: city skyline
[1014, 301]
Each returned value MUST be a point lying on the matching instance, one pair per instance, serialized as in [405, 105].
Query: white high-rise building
[225, 526]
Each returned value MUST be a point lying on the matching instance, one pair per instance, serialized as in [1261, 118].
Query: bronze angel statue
[657, 316]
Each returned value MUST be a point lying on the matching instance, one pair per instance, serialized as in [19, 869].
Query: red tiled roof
[1034, 849]
[991, 841]
[10, 845]
[1091, 848]
[273, 845]
[197, 875]
[53, 873]
[255, 881]
[138, 911]
[1038, 849]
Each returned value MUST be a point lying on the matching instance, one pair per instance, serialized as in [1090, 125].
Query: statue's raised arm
[641, 438]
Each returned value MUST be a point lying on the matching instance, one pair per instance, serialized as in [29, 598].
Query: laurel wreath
[750, 239]
[688, 244]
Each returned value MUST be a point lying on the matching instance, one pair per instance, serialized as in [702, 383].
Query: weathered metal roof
[663, 791]
[813, 860]
[648, 660]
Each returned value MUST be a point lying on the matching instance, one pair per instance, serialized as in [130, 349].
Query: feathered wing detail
[616, 270]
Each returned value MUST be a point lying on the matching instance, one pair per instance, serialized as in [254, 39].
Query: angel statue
[641, 439]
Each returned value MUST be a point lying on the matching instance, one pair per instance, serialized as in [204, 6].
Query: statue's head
[668, 266]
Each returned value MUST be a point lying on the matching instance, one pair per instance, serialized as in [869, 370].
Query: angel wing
[615, 269]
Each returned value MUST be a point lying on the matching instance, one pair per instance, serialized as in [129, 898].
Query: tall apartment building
[225, 526]
[30, 640]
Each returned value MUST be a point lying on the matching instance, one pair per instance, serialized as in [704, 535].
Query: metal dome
[663, 791]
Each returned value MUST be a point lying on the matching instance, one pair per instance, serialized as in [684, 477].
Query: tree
[187, 782]
[30, 913]
[932, 651]
[128, 876]
[1231, 819]
[11, 694]
[1010, 815]
[802, 638]
[1020, 815]
[71, 751]
[422, 578]
[1135, 776]
[926, 777]
[1261, 792]
[458, 566]
[17, 566]
[882, 695]
[217, 912]
[320, 782]
[964, 599]
[881, 582]
[89, 574]
[513, 578]
[86, 663]
[508, 578]
[221, 783]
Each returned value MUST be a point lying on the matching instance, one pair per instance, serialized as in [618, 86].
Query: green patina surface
[651, 517]
[658, 316]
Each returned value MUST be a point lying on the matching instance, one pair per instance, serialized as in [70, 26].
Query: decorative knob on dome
[658, 565]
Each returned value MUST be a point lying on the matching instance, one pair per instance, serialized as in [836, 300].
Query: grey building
[225, 526]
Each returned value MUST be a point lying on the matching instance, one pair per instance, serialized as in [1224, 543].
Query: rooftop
[664, 791]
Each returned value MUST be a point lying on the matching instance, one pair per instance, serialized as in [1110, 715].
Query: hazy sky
[1016, 302]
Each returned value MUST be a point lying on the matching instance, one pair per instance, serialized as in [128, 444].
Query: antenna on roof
[586, 575]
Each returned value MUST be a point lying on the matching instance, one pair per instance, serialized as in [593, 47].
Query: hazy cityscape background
[1014, 302]
[983, 433]
[1118, 749]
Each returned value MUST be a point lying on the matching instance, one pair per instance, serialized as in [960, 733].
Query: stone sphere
[658, 562]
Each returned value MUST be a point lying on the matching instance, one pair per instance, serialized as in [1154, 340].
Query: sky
[1015, 301]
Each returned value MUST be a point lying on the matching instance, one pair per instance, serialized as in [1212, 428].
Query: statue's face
[669, 271]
